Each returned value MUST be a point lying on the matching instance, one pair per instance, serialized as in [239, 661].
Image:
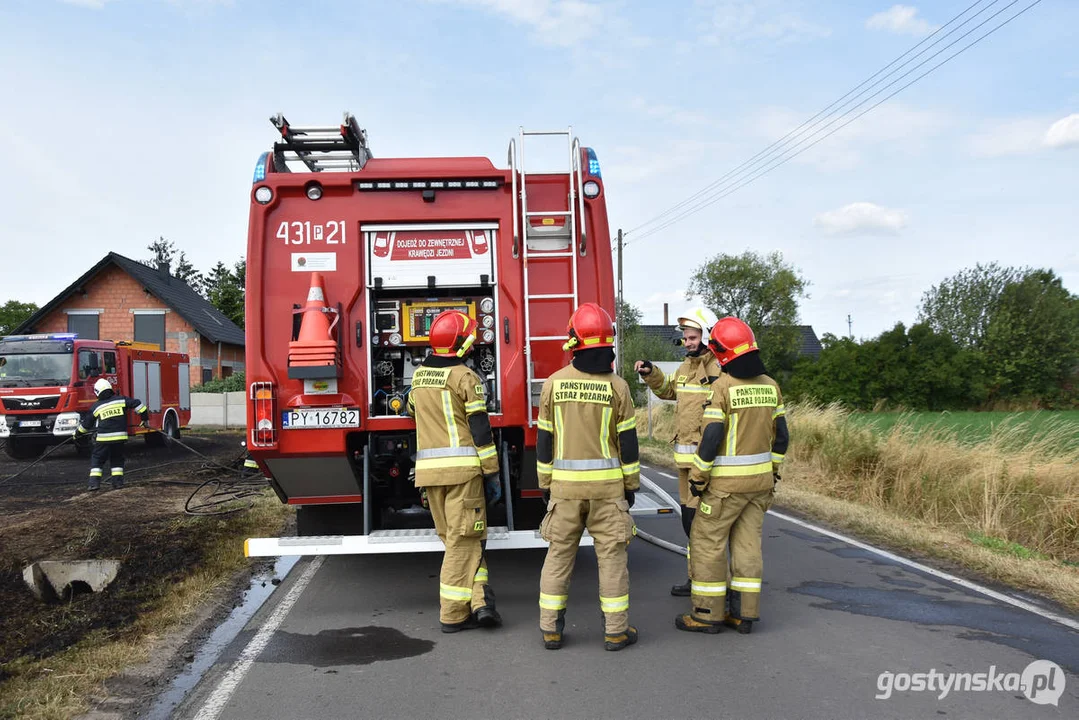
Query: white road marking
[1000, 597]
[235, 675]
[657, 471]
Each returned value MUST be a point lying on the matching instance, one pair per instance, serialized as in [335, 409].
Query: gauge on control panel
[487, 305]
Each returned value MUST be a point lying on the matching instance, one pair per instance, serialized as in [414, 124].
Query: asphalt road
[358, 637]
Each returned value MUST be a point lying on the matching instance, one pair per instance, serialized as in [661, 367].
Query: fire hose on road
[650, 538]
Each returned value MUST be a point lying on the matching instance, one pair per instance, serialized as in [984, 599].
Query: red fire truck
[378, 248]
[47, 381]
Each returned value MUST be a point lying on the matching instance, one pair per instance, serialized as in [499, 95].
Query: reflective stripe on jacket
[109, 417]
[587, 441]
[689, 385]
[454, 442]
[739, 439]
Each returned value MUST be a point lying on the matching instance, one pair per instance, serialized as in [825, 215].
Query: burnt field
[157, 527]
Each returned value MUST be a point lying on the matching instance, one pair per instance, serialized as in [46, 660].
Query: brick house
[121, 299]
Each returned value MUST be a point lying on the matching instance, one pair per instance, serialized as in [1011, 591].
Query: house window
[110, 363]
[226, 371]
[85, 324]
[207, 375]
[150, 327]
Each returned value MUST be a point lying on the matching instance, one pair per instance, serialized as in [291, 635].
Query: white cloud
[554, 22]
[1017, 136]
[1064, 132]
[1024, 136]
[742, 21]
[92, 4]
[861, 218]
[901, 20]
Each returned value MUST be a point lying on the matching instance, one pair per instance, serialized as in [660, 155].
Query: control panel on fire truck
[401, 339]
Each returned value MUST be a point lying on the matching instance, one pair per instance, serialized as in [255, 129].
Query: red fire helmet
[590, 326]
[731, 338]
[452, 334]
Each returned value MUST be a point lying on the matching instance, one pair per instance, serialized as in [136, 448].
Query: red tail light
[264, 412]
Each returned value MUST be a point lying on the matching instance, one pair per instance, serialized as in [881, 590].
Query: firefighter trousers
[107, 454]
[460, 515]
[611, 527]
[737, 518]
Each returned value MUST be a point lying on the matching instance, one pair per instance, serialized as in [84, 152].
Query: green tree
[762, 290]
[963, 305]
[1032, 340]
[919, 369]
[636, 345]
[13, 314]
[164, 251]
[225, 289]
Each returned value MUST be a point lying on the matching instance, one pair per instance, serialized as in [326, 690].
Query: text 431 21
[331, 232]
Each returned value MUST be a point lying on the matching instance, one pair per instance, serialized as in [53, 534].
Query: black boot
[487, 616]
[682, 590]
[469, 624]
[95, 484]
[621, 640]
[553, 640]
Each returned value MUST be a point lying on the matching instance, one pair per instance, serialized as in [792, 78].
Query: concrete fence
[228, 410]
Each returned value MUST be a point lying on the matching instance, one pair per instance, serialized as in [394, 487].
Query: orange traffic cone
[315, 346]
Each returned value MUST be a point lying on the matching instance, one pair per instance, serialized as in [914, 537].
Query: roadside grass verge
[972, 427]
[63, 685]
[1006, 507]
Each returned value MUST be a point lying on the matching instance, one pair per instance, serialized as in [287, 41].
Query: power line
[738, 182]
[783, 140]
[780, 160]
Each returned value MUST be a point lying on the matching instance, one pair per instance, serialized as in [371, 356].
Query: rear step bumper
[384, 542]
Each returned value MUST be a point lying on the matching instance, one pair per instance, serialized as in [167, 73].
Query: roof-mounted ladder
[332, 147]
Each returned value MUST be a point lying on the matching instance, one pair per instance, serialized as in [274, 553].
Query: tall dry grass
[1017, 485]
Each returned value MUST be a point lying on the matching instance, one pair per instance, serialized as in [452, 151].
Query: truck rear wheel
[169, 429]
[23, 449]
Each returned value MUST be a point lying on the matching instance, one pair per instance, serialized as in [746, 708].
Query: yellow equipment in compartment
[416, 317]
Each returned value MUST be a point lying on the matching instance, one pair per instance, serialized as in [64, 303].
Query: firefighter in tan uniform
[588, 466]
[735, 470]
[455, 459]
[689, 386]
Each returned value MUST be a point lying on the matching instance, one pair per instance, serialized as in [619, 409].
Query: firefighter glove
[145, 424]
[631, 497]
[492, 488]
[696, 488]
[646, 368]
[546, 497]
[775, 479]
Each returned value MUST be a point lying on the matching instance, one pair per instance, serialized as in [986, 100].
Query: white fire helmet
[101, 386]
[701, 318]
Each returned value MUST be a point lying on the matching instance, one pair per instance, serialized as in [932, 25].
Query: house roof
[210, 322]
[808, 342]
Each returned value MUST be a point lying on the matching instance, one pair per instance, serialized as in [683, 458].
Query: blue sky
[130, 119]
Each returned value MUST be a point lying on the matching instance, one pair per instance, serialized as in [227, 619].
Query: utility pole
[619, 296]
[619, 265]
[850, 331]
